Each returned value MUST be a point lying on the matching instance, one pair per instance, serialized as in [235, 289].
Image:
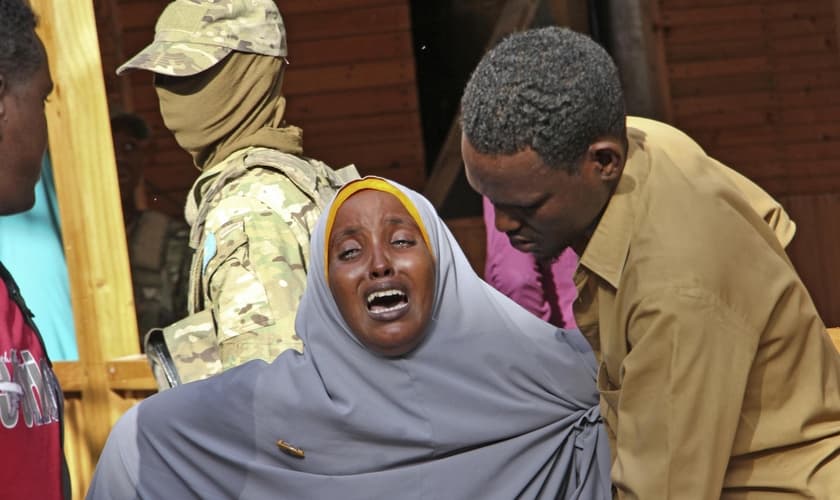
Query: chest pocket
[244, 306]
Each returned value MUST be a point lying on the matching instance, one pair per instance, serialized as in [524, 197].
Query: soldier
[218, 67]
[158, 245]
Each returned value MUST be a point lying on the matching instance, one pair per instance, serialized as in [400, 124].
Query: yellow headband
[376, 184]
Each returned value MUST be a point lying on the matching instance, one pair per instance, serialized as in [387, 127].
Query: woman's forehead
[368, 210]
[369, 202]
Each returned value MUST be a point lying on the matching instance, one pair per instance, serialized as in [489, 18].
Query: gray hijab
[494, 404]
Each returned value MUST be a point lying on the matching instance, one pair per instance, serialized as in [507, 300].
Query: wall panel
[755, 82]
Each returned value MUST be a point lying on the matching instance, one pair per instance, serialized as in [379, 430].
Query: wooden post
[92, 224]
[516, 15]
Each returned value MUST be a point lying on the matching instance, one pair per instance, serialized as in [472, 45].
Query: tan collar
[607, 250]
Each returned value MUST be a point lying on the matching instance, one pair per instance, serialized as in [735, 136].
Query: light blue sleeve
[34, 237]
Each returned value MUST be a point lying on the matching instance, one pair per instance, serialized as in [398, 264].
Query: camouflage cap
[193, 35]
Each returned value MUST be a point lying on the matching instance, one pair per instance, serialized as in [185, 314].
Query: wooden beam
[837, 29]
[91, 215]
[573, 14]
[516, 15]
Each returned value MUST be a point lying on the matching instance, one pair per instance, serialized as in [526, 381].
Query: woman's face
[381, 273]
[24, 138]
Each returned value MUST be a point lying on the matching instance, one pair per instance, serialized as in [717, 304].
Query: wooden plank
[303, 81]
[134, 40]
[71, 375]
[768, 134]
[292, 7]
[330, 133]
[759, 161]
[726, 118]
[352, 49]
[810, 43]
[749, 29]
[836, 32]
[792, 185]
[726, 14]
[770, 101]
[775, 80]
[795, 27]
[657, 57]
[808, 115]
[131, 373]
[166, 176]
[798, 9]
[729, 84]
[94, 236]
[728, 49]
[715, 33]
[410, 177]
[516, 15]
[358, 102]
[822, 43]
[140, 15]
[668, 5]
[703, 104]
[701, 16]
[354, 21]
[392, 155]
[719, 67]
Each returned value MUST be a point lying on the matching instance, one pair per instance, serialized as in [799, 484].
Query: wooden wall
[756, 83]
[350, 85]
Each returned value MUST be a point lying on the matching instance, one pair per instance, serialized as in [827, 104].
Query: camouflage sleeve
[177, 261]
[254, 282]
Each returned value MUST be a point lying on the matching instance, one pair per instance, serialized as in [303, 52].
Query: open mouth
[387, 304]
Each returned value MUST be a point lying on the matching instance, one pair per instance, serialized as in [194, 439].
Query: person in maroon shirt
[32, 462]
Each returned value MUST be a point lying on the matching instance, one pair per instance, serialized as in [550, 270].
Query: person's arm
[766, 206]
[254, 282]
[118, 468]
[683, 385]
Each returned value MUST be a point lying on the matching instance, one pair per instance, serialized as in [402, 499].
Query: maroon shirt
[30, 399]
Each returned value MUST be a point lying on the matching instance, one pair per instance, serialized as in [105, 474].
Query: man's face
[542, 210]
[130, 156]
[24, 138]
[381, 273]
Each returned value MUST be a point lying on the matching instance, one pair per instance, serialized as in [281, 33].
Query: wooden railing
[129, 381]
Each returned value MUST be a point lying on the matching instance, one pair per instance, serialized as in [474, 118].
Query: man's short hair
[549, 89]
[21, 53]
[131, 123]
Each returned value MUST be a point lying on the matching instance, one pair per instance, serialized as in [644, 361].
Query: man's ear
[608, 157]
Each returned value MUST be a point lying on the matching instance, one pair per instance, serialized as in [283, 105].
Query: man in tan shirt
[717, 378]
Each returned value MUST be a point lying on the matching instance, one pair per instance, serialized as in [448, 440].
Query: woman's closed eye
[403, 238]
[348, 252]
[403, 242]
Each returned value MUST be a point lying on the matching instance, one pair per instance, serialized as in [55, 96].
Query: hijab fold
[493, 404]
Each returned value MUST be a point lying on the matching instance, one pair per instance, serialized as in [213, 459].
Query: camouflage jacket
[251, 218]
[159, 254]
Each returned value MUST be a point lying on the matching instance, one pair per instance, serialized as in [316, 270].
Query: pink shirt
[547, 291]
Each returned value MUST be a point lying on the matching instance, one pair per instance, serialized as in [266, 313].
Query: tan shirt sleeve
[681, 392]
[765, 205]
